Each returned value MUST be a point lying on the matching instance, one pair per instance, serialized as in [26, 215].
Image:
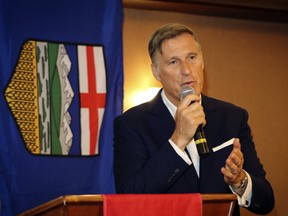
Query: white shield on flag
[92, 79]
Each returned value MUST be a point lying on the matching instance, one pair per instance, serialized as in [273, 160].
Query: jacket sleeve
[143, 163]
[262, 201]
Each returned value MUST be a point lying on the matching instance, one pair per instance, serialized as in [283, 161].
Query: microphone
[199, 137]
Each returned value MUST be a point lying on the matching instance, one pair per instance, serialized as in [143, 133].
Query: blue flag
[61, 81]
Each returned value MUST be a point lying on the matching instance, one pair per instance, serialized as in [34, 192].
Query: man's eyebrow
[193, 53]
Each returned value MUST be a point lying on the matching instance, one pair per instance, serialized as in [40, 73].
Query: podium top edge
[97, 199]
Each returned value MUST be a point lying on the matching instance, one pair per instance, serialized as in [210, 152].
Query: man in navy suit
[154, 149]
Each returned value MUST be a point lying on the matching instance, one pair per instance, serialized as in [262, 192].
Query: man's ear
[156, 72]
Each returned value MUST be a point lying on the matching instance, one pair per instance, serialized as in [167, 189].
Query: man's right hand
[187, 119]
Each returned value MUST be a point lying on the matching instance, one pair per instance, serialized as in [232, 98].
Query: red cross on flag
[92, 79]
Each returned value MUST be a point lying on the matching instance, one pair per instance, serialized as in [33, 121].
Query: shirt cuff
[181, 153]
[245, 199]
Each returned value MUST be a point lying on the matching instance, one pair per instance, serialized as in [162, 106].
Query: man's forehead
[178, 41]
[183, 49]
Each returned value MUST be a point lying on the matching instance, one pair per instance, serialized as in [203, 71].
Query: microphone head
[186, 90]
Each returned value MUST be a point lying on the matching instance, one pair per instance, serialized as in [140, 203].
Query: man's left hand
[232, 171]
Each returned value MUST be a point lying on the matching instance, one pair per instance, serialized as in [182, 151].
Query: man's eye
[172, 62]
[192, 57]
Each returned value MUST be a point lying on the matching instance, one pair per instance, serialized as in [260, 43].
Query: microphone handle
[200, 141]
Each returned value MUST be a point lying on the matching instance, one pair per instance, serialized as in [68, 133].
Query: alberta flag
[61, 81]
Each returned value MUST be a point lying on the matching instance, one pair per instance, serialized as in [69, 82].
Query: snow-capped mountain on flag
[57, 95]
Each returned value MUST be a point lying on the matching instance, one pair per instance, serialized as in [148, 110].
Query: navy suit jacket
[145, 162]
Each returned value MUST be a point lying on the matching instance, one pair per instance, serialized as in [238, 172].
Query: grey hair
[166, 32]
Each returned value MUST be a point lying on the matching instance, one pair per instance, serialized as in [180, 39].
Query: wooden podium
[88, 205]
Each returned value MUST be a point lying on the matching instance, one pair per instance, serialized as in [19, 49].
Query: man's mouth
[190, 83]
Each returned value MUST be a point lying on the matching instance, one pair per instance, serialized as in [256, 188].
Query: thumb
[237, 144]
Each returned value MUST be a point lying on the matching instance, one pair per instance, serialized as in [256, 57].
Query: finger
[228, 176]
[231, 167]
[188, 99]
[237, 158]
[237, 144]
[236, 154]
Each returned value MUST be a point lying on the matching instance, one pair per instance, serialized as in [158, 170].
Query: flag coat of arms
[40, 95]
[61, 69]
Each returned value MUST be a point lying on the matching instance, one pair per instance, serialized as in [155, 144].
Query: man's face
[180, 64]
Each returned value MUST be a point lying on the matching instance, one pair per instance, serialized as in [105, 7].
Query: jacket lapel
[163, 119]
[210, 166]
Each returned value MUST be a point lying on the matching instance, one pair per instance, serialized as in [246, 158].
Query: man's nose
[186, 68]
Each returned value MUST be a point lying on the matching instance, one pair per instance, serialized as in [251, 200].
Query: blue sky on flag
[84, 96]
